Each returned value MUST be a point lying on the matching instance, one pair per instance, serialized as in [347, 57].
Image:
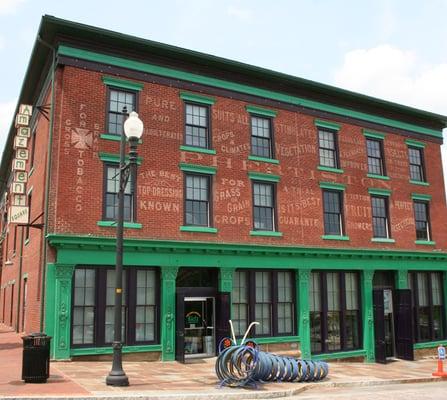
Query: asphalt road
[419, 391]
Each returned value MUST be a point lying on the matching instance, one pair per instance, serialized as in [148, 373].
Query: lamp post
[133, 129]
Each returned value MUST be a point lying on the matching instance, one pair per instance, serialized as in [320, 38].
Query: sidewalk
[157, 380]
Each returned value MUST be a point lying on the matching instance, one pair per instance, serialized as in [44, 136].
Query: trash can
[36, 358]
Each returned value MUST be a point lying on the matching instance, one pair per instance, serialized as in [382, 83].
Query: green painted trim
[401, 279]
[197, 98]
[383, 240]
[332, 185]
[334, 237]
[420, 183]
[115, 158]
[326, 124]
[373, 135]
[199, 169]
[203, 229]
[263, 159]
[266, 233]
[366, 292]
[302, 278]
[197, 149]
[425, 242]
[379, 192]
[428, 345]
[114, 138]
[108, 350]
[122, 83]
[420, 196]
[415, 143]
[226, 281]
[168, 307]
[278, 339]
[330, 169]
[241, 88]
[112, 224]
[374, 176]
[259, 176]
[261, 111]
[341, 354]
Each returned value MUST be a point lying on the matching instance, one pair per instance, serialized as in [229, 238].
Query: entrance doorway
[393, 324]
[199, 316]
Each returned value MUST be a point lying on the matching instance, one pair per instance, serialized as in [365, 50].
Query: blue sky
[395, 50]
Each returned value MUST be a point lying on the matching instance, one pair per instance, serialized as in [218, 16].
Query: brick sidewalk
[171, 378]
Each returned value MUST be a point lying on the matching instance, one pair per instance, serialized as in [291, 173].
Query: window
[261, 137]
[93, 305]
[197, 200]
[334, 304]
[327, 141]
[380, 219]
[263, 206]
[416, 159]
[118, 99]
[376, 163]
[197, 125]
[422, 220]
[428, 306]
[333, 212]
[267, 297]
[112, 179]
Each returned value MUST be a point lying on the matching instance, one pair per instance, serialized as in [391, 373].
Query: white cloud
[6, 116]
[9, 6]
[239, 13]
[397, 75]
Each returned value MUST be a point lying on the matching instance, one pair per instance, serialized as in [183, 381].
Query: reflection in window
[83, 306]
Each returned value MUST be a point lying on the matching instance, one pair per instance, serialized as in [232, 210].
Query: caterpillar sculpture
[245, 365]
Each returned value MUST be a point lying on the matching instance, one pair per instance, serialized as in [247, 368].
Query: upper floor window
[197, 125]
[111, 188]
[121, 103]
[261, 137]
[328, 148]
[376, 164]
[422, 220]
[263, 206]
[416, 159]
[197, 200]
[333, 212]
[380, 217]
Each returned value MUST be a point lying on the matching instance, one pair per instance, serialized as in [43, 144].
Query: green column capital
[226, 279]
[169, 273]
[402, 279]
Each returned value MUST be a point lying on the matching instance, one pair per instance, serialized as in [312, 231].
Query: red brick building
[261, 196]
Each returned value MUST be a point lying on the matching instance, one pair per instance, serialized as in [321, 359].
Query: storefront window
[334, 311]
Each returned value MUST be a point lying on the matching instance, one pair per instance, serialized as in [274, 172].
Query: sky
[395, 50]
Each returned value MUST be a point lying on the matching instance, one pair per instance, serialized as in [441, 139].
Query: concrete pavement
[197, 380]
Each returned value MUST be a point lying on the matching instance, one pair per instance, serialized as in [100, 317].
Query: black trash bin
[36, 358]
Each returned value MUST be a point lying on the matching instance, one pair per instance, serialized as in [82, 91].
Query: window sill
[197, 149]
[335, 237]
[263, 159]
[266, 233]
[374, 176]
[330, 169]
[201, 229]
[112, 224]
[420, 183]
[425, 242]
[383, 240]
[114, 138]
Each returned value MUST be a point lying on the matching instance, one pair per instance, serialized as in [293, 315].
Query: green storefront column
[368, 314]
[302, 287]
[168, 277]
[226, 282]
[445, 294]
[63, 278]
[50, 303]
[402, 279]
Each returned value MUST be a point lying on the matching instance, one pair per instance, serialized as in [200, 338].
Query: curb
[230, 394]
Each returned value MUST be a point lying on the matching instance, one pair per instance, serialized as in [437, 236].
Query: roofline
[267, 73]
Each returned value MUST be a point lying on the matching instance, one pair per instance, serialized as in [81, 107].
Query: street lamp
[133, 129]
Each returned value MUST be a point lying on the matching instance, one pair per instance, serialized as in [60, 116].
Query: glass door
[199, 339]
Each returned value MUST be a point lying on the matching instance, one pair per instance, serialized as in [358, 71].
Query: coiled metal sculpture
[245, 365]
